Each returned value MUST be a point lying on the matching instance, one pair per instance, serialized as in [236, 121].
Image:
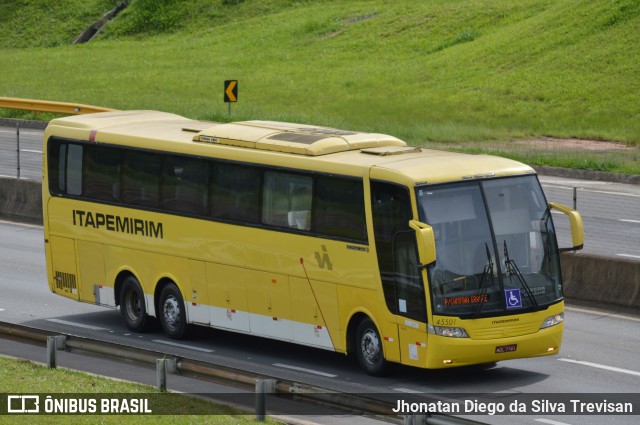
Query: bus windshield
[495, 244]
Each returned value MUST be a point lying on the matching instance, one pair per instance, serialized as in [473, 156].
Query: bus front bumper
[443, 352]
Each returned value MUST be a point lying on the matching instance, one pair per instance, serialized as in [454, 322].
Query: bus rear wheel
[172, 313]
[369, 348]
[132, 305]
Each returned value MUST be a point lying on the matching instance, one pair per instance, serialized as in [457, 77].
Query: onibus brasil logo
[69, 404]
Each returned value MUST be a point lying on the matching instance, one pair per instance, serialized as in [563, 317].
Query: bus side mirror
[426, 243]
[575, 221]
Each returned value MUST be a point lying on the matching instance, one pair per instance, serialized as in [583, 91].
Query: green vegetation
[24, 377]
[451, 72]
[44, 23]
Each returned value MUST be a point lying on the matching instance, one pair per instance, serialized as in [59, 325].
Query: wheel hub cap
[370, 346]
[171, 311]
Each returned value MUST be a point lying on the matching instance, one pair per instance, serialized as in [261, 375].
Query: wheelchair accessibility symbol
[513, 298]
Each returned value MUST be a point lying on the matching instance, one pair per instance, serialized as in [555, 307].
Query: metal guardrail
[361, 404]
[50, 106]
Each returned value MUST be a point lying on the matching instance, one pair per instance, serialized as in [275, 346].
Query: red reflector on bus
[92, 135]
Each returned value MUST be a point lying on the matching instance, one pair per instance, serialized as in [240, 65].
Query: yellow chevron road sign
[231, 90]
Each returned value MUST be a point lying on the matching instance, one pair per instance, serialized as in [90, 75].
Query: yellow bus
[346, 241]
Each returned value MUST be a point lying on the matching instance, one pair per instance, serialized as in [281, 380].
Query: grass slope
[446, 71]
[45, 23]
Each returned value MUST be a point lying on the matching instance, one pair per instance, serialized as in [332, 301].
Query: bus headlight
[553, 320]
[447, 331]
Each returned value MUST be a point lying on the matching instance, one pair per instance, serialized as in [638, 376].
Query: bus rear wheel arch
[171, 311]
[132, 305]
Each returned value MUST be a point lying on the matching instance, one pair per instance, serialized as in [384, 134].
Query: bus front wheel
[369, 348]
[132, 305]
[172, 312]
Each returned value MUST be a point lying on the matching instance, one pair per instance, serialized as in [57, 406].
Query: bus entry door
[410, 298]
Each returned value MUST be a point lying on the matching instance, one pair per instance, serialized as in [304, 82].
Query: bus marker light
[447, 361]
[388, 339]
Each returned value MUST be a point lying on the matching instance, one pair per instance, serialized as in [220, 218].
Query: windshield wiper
[512, 270]
[488, 271]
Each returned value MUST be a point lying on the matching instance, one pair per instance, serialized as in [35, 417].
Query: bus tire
[369, 348]
[172, 312]
[132, 305]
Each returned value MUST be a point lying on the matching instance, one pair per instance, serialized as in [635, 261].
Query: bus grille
[505, 332]
[66, 282]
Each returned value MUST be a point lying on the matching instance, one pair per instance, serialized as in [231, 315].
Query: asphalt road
[600, 352]
[610, 212]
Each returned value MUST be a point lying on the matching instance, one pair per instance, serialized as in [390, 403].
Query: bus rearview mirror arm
[575, 222]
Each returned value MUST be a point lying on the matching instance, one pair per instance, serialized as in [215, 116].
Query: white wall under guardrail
[21, 200]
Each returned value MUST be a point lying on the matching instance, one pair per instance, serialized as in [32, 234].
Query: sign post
[230, 92]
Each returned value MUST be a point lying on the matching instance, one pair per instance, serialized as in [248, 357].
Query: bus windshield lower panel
[496, 247]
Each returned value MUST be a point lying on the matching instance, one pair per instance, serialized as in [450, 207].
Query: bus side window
[65, 167]
[235, 192]
[338, 208]
[141, 178]
[184, 184]
[56, 164]
[102, 173]
[287, 200]
[74, 169]
[299, 217]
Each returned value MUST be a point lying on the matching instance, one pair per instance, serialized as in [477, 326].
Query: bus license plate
[506, 348]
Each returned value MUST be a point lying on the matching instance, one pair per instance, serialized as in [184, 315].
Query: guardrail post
[51, 352]
[161, 375]
[18, 149]
[263, 387]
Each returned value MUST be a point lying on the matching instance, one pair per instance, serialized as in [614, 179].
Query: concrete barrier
[592, 278]
[21, 200]
[608, 280]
